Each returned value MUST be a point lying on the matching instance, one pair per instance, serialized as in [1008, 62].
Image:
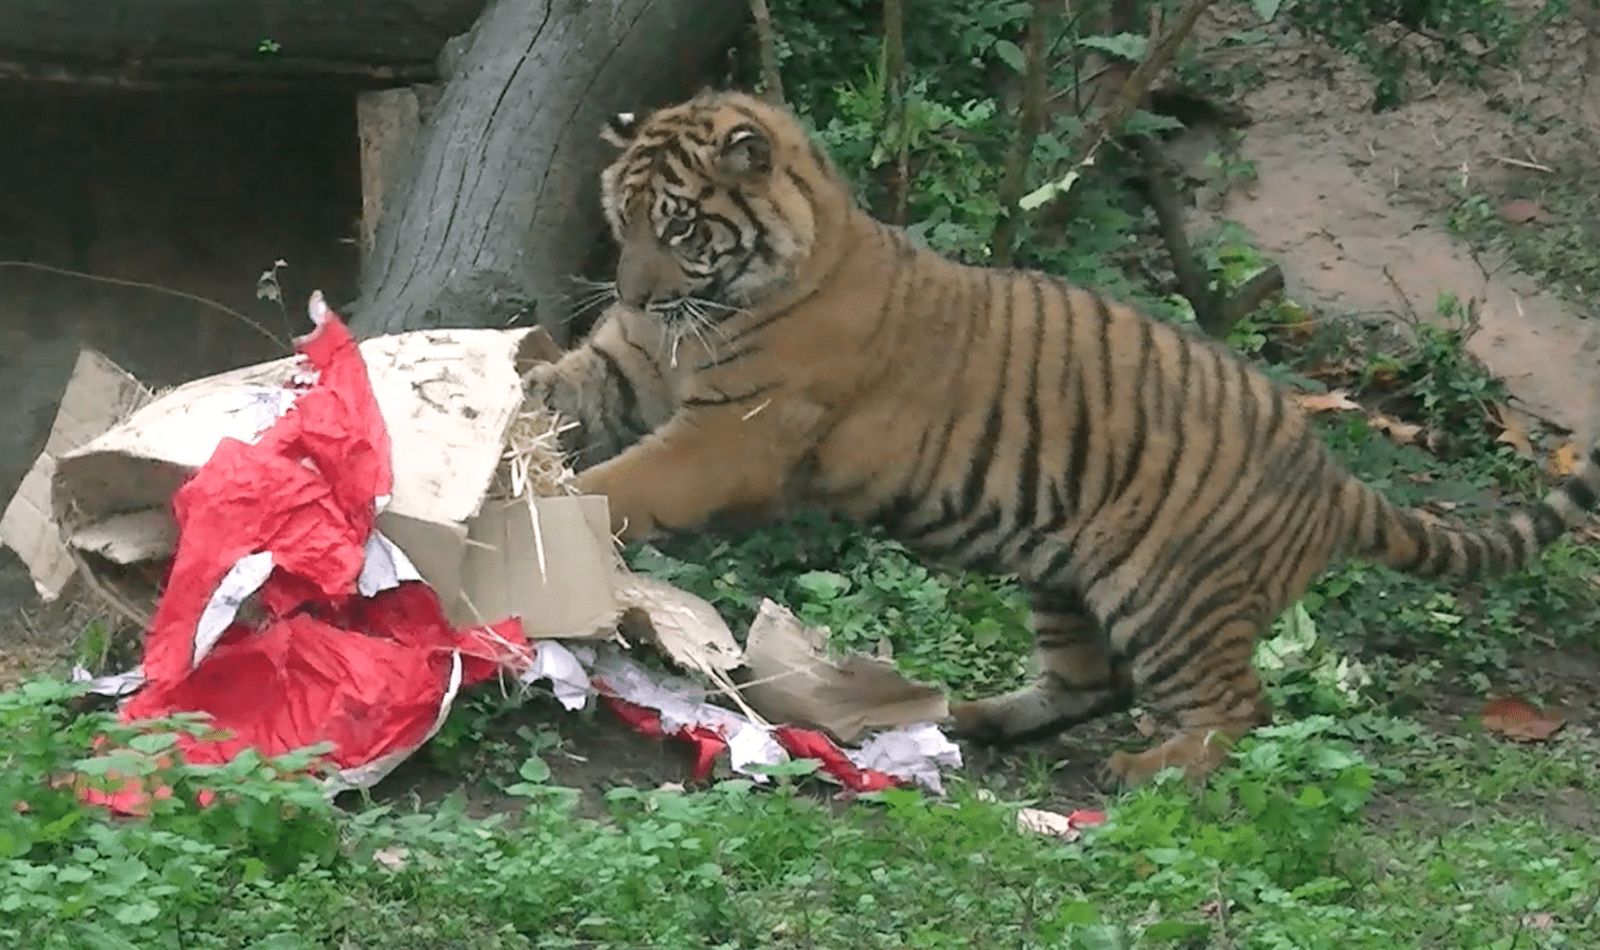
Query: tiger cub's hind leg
[1079, 679]
[1206, 680]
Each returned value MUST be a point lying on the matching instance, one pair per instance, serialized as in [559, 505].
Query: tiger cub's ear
[746, 152]
[620, 129]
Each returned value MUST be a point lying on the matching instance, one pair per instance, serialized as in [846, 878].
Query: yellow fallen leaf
[1404, 433]
[1512, 431]
[1562, 461]
[1516, 718]
[1334, 400]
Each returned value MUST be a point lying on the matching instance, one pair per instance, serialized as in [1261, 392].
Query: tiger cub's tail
[1421, 544]
[1416, 542]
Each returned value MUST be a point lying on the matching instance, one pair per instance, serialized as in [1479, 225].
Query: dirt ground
[1348, 202]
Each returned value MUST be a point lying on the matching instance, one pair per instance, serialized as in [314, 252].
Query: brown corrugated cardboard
[793, 680]
[98, 394]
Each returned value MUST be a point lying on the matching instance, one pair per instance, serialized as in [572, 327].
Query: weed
[1553, 238]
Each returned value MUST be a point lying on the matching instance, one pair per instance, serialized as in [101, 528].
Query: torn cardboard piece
[98, 395]
[129, 538]
[792, 680]
[677, 623]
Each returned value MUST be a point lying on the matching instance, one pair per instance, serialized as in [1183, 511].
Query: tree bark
[500, 208]
[145, 39]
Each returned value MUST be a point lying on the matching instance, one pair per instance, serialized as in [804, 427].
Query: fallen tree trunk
[495, 206]
[144, 39]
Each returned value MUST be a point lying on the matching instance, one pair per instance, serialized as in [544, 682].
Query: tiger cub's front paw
[538, 380]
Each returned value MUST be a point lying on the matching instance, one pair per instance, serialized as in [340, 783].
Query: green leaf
[535, 770]
[823, 585]
[1012, 55]
[153, 743]
[1128, 46]
[1267, 9]
[134, 914]
[94, 937]
[1078, 913]
[1167, 930]
[1312, 797]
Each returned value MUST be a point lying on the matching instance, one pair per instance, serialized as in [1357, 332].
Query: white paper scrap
[384, 566]
[913, 753]
[680, 703]
[243, 579]
[568, 679]
[112, 684]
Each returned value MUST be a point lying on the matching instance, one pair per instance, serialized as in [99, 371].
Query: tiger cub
[1160, 498]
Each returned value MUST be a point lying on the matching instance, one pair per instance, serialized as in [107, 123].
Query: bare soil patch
[1350, 202]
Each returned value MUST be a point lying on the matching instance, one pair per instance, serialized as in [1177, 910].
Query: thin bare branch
[1035, 90]
[767, 39]
[157, 288]
[894, 90]
[1137, 88]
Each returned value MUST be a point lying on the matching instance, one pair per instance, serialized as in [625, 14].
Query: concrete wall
[196, 191]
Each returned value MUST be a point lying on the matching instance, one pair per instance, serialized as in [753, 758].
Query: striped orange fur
[1160, 498]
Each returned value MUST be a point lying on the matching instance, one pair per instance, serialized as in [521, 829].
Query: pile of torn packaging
[327, 548]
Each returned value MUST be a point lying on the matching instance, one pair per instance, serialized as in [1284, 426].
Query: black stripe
[727, 358]
[1163, 681]
[1178, 556]
[1147, 586]
[1141, 422]
[1103, 313]
[771, 318]
[801, 184]
[1028, 477]
[625, 391]
[699, 402]
[982, 459]
[1581, 494]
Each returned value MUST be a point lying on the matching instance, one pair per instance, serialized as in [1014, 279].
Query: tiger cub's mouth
[691, 311]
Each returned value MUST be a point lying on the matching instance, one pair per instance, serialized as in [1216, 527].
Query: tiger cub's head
[714, 204]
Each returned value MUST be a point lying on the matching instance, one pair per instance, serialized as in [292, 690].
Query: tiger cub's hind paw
[1197, 752]
[975, 721]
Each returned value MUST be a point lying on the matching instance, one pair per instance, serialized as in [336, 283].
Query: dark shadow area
[194, 190]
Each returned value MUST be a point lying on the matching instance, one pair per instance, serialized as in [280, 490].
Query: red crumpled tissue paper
[372, 675]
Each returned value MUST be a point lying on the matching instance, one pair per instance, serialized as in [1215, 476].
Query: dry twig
[1214, 311]
[1535, 166]
[1137, 88]
[183, 295]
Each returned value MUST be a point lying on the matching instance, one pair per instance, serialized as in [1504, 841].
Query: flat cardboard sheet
[549, 563]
